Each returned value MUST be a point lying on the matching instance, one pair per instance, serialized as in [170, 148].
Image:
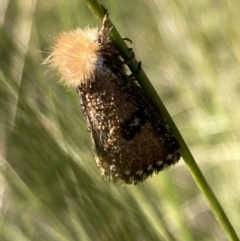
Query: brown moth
[130, 137]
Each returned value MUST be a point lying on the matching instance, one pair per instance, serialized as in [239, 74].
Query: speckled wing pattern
[130, 136]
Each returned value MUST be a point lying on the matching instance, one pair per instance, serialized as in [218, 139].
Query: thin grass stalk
[143, 80]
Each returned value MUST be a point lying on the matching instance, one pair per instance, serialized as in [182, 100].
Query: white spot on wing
[139, 172]
[127, 172]
[159, 163]
[113, 168]
[149, 167]
[169, 157]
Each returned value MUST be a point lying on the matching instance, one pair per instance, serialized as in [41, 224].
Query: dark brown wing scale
[130, 137]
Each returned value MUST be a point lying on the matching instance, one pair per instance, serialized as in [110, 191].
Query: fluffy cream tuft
[75, 55]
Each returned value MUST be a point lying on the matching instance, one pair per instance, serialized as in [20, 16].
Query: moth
[130, 137]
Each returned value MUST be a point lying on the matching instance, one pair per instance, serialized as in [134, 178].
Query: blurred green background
[50, 185]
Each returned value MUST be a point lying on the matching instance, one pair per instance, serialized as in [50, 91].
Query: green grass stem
[143, 80]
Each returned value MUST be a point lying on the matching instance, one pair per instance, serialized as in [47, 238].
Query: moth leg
[106, 16]
[138, 70]
[127, 39]
[106, 23]
[103, 36]
[129, 61]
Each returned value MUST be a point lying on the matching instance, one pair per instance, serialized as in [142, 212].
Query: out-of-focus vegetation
[50, 186]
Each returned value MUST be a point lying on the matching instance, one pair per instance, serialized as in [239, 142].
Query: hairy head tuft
[75, 56]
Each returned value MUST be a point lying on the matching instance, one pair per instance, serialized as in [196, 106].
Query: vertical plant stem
[143, 80]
